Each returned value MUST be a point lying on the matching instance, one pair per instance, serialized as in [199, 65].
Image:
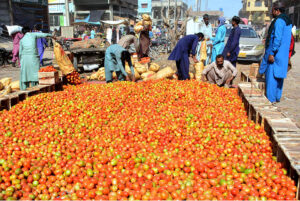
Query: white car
[251, 46]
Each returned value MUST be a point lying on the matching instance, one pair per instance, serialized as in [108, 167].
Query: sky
[230, 7]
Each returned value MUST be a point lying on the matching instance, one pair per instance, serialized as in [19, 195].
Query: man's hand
[271, 59]
[195, 60]
[228, 54]
[127, 78]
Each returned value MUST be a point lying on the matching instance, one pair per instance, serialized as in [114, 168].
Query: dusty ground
[289, 105]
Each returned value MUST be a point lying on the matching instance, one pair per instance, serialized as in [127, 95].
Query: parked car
[252, 47]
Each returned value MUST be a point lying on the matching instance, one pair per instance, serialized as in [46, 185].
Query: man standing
[275, 62]
[29, 58]
[232, 49]
[206, 29]
[16, 44]
[220, 72]
[184, 48]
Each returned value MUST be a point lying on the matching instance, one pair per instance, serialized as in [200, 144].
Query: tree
[173, 32]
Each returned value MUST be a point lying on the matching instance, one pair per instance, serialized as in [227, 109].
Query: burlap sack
[199, 67]
[147, 76]
[141, 68]
[6, 81]
[15, 85]
[136, 73]
[167, 72]
[154, 67]
[63, 61]
[192, 76]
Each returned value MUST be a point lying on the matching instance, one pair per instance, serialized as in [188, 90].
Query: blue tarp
[87, 20]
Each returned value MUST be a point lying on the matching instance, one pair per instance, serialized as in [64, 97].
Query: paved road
[289, 105]
[290, 102]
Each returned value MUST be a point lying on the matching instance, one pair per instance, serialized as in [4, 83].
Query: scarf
[222, 21]
[272, 26]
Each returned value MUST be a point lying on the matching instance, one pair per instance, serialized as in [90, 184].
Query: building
[256, 11]
[293, 10]
[144, 7]
[112, 9]
[158, 5]
[24, 13]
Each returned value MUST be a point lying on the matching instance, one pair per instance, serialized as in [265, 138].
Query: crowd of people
[220, 59]
[217, 70]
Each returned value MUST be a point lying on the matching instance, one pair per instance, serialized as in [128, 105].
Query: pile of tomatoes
[146, 141]
[74, 78]
[48, 69]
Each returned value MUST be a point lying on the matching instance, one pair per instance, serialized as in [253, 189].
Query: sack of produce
[14, 29]
[138, 28]
[147, 76]
[15, 85]
[6, 91]
[146, 17]
[154, 67]
[6, 81]
[1, 86]
[148, 23]
[95, 75]
[63, 61]
[136, 73]
[141, 68]
[192, 76]
[199, 68]
[203, 52]
[101, 74]
[167, 72]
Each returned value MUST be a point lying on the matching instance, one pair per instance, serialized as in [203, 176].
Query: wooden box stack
[48, 78]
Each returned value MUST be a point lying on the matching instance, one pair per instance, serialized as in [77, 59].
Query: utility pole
[67, 13]
[175, 11]
[200, 5]
[169, 9]
[206, 5]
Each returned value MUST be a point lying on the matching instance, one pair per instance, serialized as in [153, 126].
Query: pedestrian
[275, 61]
[232, 48]
[129, 40]
[93, 33]
[292, 52]
[114, 36]
[218, 40]
[144, 42]
[115, 58]
[220, 72]
[29, 58]
[206, 29]
[109, 34]
[41, 44]
[184, 48]
[16, 45]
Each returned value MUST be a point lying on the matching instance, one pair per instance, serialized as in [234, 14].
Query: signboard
[60, 8]
[55, 1]
[145, 6]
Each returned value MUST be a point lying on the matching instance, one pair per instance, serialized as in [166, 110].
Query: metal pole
[67, 13]
[75, 13]
[175, 11]
[168, 9]
[200, 6]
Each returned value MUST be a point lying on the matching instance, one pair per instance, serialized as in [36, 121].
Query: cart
[87, 56]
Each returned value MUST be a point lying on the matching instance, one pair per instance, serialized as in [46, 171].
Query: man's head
[235, 20]
[206, 19]
[277, 9]
[125, 56]
[25, 29]
[220, 60]
[200, 36]
[37, 27]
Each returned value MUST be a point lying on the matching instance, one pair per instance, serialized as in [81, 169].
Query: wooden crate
[48, 78]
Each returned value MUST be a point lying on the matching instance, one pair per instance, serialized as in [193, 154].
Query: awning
[86, 21]
[115, 22]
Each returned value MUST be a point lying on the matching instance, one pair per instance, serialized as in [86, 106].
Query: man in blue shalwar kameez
[275, 61]
[41, 44]
[115, 58]
[184, 48]
[218, 40]
[232, 48]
